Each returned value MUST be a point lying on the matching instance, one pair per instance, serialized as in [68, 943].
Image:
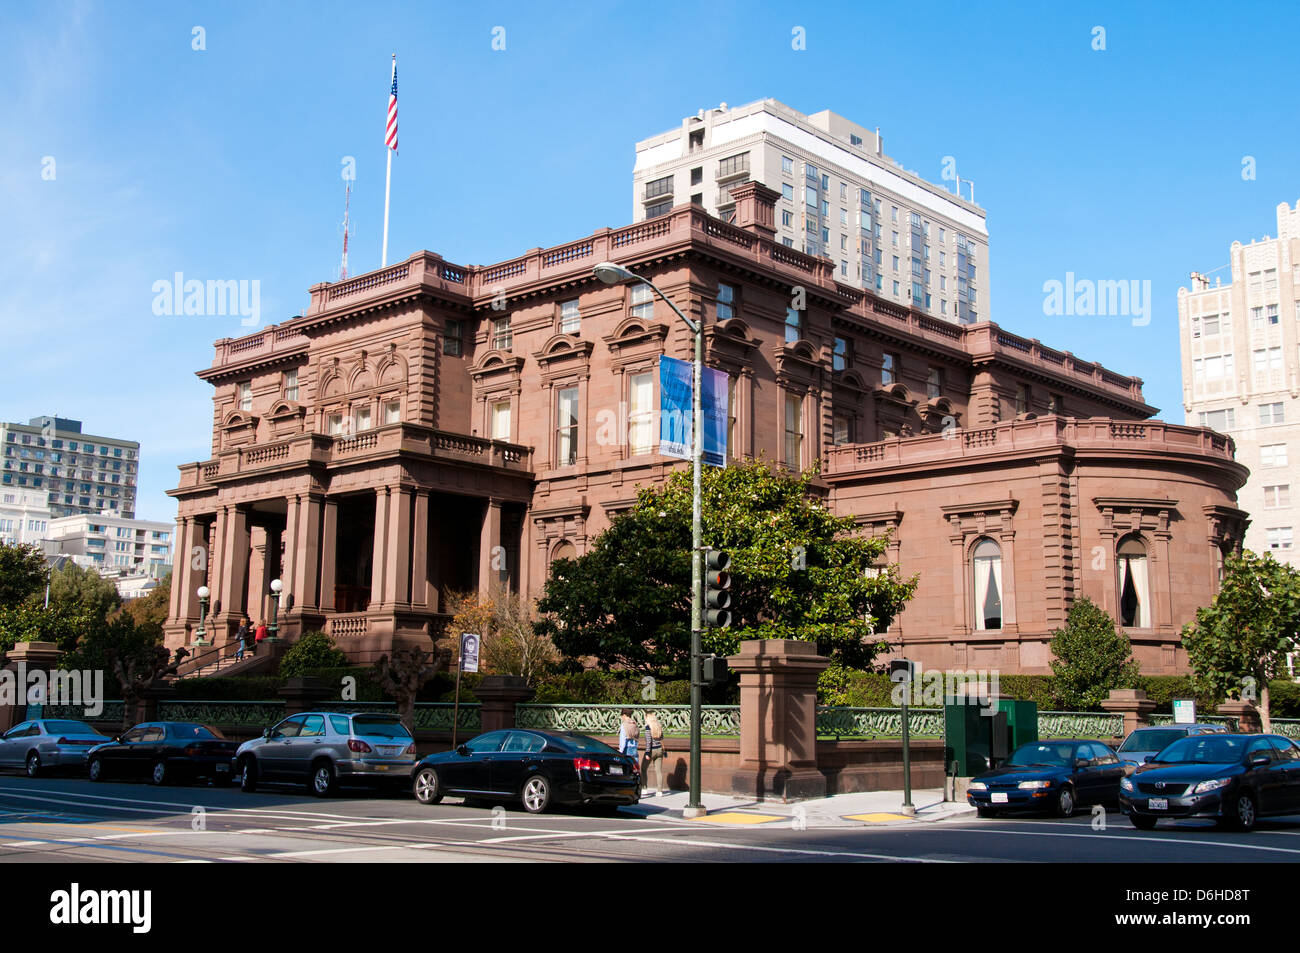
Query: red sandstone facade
[352, 455]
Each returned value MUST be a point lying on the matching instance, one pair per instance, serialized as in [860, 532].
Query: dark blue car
[1053, 776]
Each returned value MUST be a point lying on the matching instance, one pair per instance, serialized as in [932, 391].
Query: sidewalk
[867, 808]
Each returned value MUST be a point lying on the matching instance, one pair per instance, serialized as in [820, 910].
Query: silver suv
[324, 748]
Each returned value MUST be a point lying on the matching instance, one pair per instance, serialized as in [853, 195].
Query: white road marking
[1126, 837]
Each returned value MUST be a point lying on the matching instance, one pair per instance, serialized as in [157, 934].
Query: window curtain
[1133, 571]
[983, 576]
[995, 583]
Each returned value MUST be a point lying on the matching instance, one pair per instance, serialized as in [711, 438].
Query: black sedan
[1235, 779]
[1055, 775]
[537, 768]
[163, 751]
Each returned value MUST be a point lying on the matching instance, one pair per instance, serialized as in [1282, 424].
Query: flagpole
[388, 185]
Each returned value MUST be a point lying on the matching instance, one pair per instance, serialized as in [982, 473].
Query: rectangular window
[726, 302]
[1279, 537]
[502, 337]
[451, 339]
[1272, 455]
[842, 355]
[569, 317]
[643, 302]
[363, 418]
[658, 209]
[1271, 414]
[733, 165]
[1221, 420]
[842, 432]
[787, 218]
[934, 383]
[793, 429]
[888, 368]
[659, 187]
[793, 325]
[810, 198]
[291, 384]
[501, 420]
[1023, 397]
[1277, 496]
[335, 425]
[392, 411]
[640, 417]
[566, 427]
[787, 165]
[245, 398]
[787, 191]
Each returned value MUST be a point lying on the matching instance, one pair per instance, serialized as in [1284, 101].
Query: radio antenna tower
[347, 230]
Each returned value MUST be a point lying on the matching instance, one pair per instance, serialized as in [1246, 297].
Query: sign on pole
[1184, 711]
[677, 412]
[469, 644]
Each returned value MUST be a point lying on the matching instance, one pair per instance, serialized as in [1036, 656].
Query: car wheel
[1065, 802]
[986, 811]
[33, 765]
[95, 769]
[537, 794]
[248, 775]
[1142, 823]
[323, 780]
[1244, 812]
[427, 786]
[158, 774]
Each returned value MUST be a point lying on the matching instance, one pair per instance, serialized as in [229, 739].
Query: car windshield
[1042, 754]
[375, 725]
[1151, 739]
[585, 743]
[1203, 749]
[71, 728]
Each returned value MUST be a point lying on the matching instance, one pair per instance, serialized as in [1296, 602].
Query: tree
[511, 643]
[23, 573]
[407, 671]
[1242, 638]
[1091, 657]
[153, 606]
[73, 586]
[798, 572]
[314, 650]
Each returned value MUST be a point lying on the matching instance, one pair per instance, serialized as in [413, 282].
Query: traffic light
[715, 670]
[717, 580]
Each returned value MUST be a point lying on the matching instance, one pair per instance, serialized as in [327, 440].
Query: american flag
[390, 137]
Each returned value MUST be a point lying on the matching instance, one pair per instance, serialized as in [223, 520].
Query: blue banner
[676, 412]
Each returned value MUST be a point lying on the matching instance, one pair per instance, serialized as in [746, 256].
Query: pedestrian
[627, 732]
[259, 635]
[242, 634]
[654, 752]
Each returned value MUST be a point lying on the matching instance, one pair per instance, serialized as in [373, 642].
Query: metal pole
[693, 807]
[907, 759]
[455, 711]
[388, 184]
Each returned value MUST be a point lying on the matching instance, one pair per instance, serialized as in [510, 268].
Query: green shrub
[1283, 699]
[315, 650]
[230, 688]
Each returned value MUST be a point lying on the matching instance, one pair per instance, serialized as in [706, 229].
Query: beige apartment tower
[1241, 374]
[884, 229]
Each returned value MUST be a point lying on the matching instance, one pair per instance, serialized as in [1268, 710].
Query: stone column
[397, 585]
[180, 567]
[380, 546]
[778, 719]
[525, 553]
[499, 694]
[1247, 715]
[235, 594]
[329, 551]
[304, 693]
[1133, 704]
[289, 571]
[23, 659]
[259, 577]
[420, 550]
[489, 540]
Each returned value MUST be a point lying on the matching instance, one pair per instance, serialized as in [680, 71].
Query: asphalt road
[72, 820]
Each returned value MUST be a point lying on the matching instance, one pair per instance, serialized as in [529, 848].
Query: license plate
[999, 798]
[381, 767]
[1158, 804]
[222, 767]
[615, 769]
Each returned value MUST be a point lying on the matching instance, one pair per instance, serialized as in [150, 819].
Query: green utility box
[978, 739]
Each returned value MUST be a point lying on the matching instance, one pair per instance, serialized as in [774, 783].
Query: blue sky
[224, 163]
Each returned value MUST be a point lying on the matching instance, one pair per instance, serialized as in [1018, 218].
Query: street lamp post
[203, 594]
[272, 634]
[612, 274]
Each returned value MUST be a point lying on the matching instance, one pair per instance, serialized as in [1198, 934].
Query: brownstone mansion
[429, 426]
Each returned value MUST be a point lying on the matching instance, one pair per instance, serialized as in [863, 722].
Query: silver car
[47, 744]
[323, 749]
[1145, 743]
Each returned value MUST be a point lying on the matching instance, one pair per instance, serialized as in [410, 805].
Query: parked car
[325, 748]
[1052, 775]
[1235, 779]
[1148, 742]
[538, 768]
[163, 752]
[48, 744]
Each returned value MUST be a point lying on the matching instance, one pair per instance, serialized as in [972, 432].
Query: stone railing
[1042, 433]
[866, 723]
[720, 721]
[1080, 724]
[348, 626]
[273, 339]
[988, 338]
[370, 281]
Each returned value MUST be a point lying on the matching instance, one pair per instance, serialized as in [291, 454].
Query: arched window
[564, 550]
[986, 564]
[1134, 593]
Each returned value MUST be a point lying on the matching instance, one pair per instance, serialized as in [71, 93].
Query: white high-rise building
[1241, 374]
[75, 472]
[886, 229]
[24, 516]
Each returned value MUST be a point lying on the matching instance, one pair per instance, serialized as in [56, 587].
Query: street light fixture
[203, 593]
[612, 274]
[276, 587]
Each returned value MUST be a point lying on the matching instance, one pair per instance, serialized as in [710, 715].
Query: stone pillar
[146, 706]
[525, 554]
[23, 659]
[379, 549]
[1247, 715]
[234, 593]
[420, 550]
[329, 552]
[397, 581]
[180, 567]
[289, 571]
[304, 693]
[778, 719]
[499, 694]
[1133, 704]
[259, 574]
[489, 541]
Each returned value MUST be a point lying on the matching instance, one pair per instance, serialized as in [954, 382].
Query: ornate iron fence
[113, 712]
[1228, 721]
[1080, 724]
[1287, 726]
[835, 722]
[235, 714]
[715, 720]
